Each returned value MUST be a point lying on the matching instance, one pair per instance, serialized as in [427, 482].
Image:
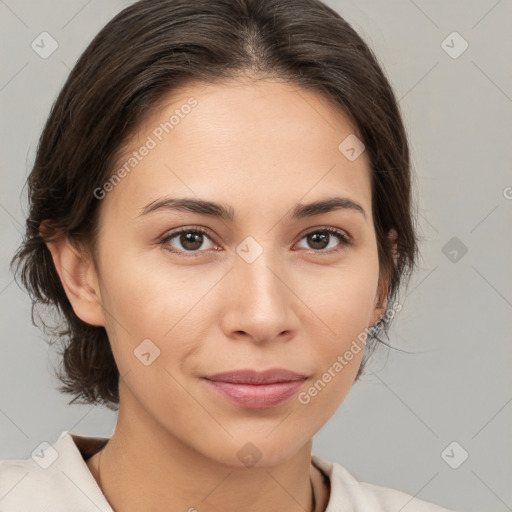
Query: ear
[384, 282]
[79, 280]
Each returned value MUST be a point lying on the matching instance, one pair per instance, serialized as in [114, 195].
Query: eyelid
[191, 228]
[331, 229]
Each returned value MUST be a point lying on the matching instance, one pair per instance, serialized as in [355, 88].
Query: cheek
[342, 297]
[146, 300]
[343, 305]
[337, 353]
[140, 287]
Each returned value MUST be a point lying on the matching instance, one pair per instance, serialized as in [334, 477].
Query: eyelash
[345, 239]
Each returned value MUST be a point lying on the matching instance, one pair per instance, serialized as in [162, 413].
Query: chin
[259, 451]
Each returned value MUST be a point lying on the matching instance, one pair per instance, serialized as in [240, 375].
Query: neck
[161, 470]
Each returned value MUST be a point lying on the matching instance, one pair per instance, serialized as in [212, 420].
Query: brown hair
[146, 51]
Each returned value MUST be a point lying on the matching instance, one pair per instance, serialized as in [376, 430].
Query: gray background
[456, 385]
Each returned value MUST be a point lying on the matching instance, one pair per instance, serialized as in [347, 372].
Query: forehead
[265, 142]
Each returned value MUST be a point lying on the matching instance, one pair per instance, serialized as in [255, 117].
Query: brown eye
[322, 239]
[186, 240]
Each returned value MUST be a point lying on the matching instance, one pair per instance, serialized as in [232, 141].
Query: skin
[261, 148]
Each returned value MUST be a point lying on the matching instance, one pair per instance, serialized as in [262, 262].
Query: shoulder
[349, 493]
[54, 476]
[24, 485]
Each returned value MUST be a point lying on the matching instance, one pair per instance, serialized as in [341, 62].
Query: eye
[320, 239]
[190, 240]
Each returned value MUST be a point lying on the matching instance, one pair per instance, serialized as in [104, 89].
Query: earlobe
[383, 286]
[379, 309]
[79, 280]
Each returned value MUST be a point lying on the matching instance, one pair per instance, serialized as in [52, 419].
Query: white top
[56, 479]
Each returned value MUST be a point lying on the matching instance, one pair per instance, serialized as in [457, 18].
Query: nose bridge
[254, 269]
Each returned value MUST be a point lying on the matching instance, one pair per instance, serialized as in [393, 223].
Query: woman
[220, 208]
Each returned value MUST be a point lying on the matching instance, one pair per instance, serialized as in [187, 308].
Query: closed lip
[254, 377]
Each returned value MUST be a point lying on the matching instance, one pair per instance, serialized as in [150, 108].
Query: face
[184, 294]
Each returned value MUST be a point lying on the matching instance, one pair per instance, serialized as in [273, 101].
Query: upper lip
[257, 377]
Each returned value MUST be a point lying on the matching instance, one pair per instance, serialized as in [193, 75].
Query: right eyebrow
[200, 206]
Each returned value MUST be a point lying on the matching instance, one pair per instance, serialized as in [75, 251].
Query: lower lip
[259, 396]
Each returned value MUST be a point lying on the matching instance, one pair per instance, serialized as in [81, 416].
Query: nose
[259, 301]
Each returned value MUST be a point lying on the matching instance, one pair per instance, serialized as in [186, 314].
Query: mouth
[256, 390]
[248, 376]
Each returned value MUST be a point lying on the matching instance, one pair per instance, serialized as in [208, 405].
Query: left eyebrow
[325, 206]
[225, 212]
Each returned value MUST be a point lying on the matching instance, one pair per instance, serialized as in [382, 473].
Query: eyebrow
[225, 212]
